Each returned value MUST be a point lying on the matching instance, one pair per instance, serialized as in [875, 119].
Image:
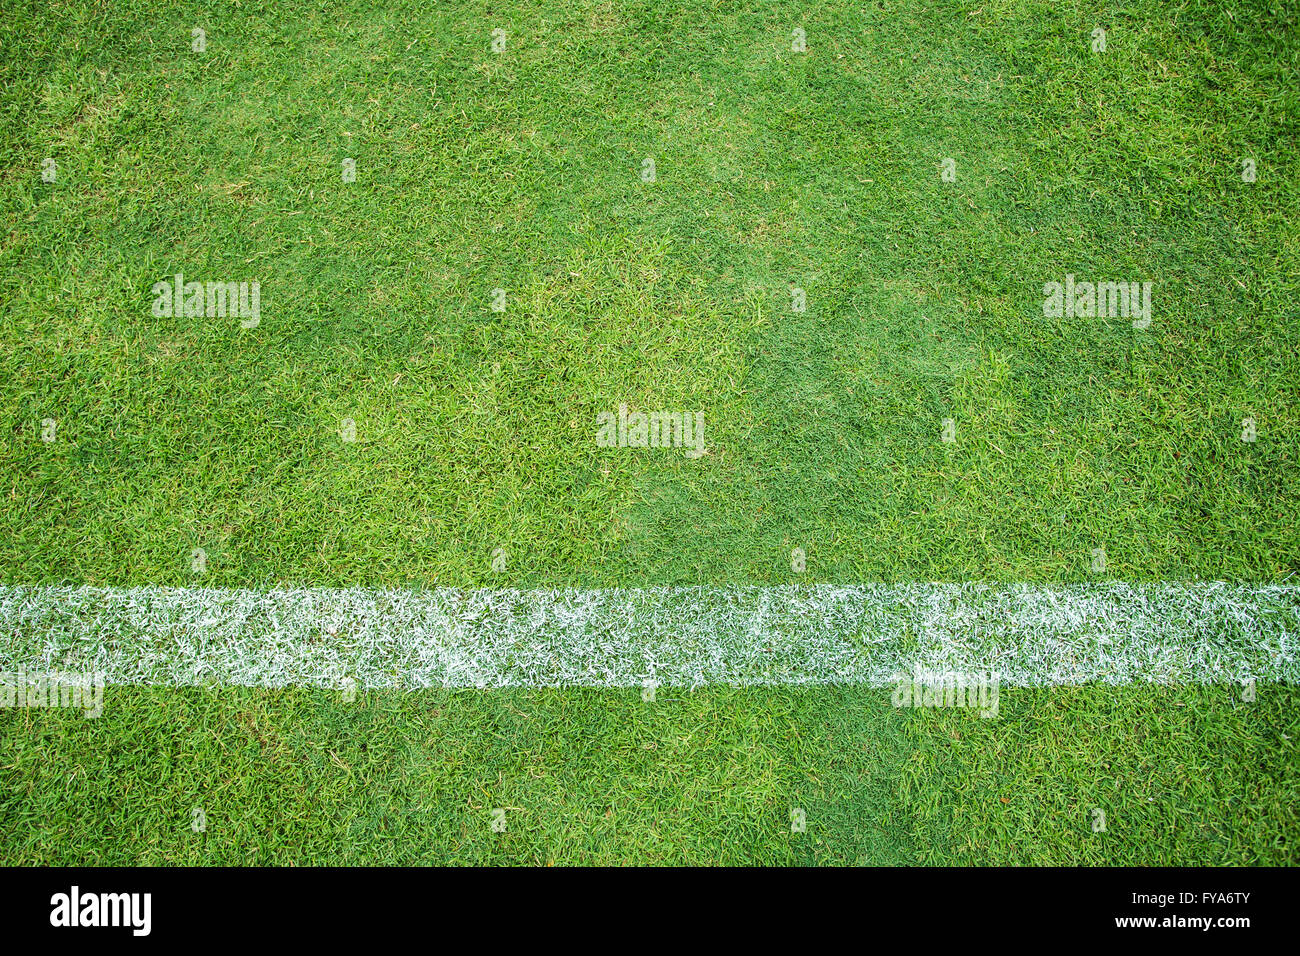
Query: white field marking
[870, 634]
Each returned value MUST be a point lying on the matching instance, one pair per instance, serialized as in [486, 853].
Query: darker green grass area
[1191, 775]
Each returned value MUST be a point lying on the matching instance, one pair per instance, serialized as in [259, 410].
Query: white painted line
[689, 636]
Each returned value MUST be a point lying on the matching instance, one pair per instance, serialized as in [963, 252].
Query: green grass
[477, 170]
[476, 428]
[1190, 776]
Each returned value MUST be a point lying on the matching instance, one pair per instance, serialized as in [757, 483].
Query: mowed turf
[522, 171]
[1183, 776]
[476, 429]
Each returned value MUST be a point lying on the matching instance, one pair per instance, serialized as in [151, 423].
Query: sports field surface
[594, 420]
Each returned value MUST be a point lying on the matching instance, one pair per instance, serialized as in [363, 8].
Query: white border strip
[869, 634]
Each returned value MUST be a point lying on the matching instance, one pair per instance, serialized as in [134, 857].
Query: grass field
[1191, 776]
[475, 462]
